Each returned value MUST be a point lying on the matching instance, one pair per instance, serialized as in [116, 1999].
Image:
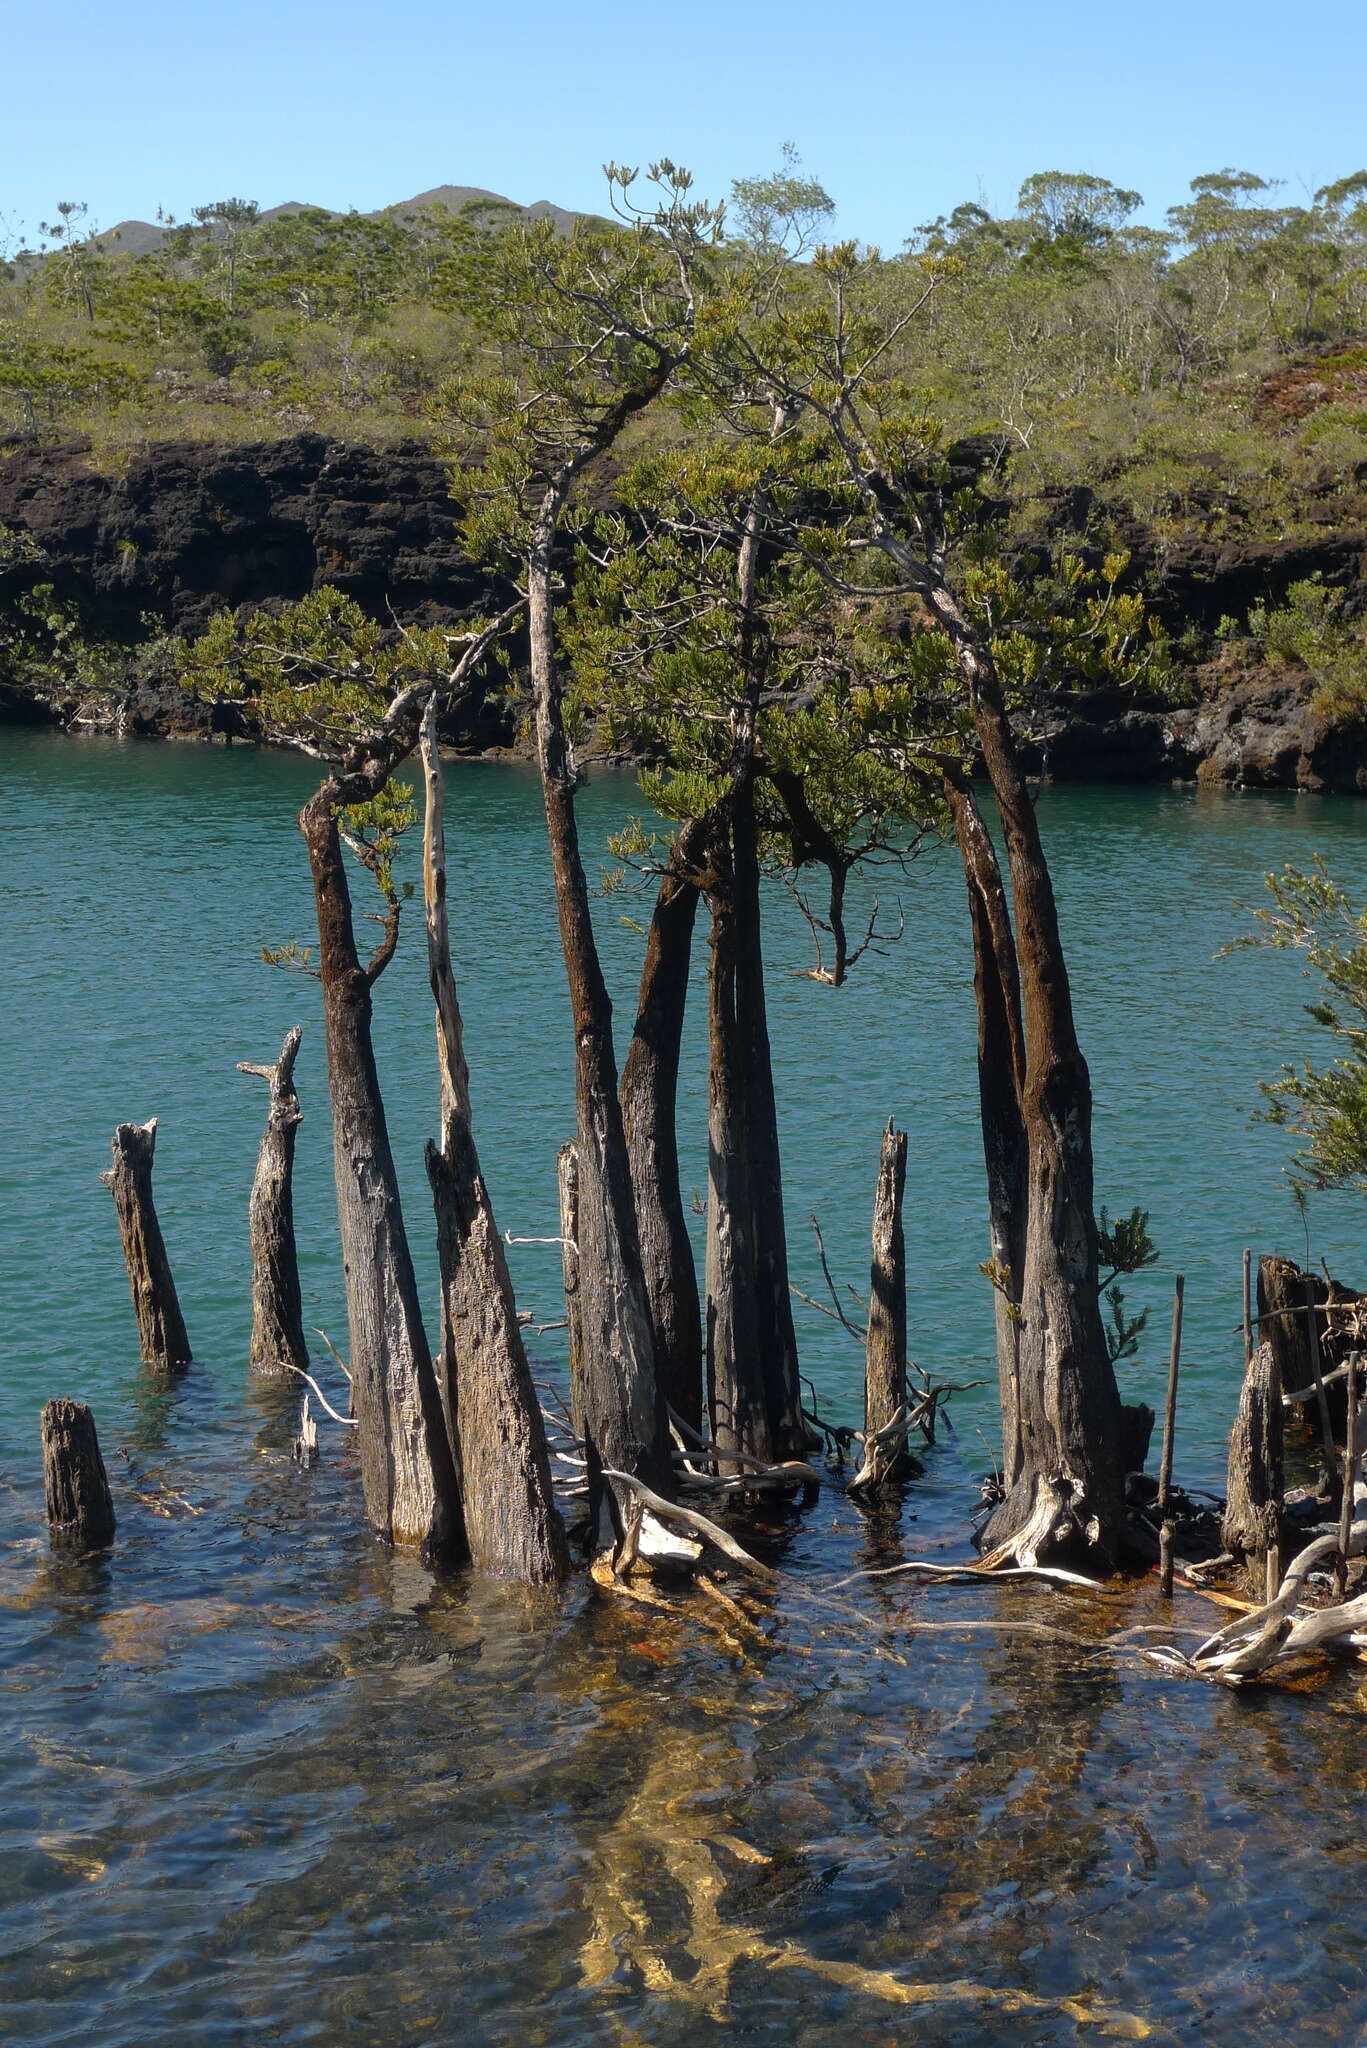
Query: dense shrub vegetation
[1142, 361]
[1143, 388]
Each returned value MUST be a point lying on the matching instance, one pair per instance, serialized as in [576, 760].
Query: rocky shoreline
[176, 531]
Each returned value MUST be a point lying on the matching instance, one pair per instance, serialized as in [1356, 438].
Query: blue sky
[901, 109]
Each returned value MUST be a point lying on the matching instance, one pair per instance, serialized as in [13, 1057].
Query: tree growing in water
[596, 324]
[894, 520]
[707, 645]
[332, 680]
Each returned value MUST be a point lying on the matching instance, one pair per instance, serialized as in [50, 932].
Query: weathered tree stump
[80, 1512]
[161, 1327]
[886, 1400]
[1282, 1320]
[277, 1312]
[1252, 1525]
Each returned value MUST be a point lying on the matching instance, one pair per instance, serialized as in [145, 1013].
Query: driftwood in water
[80, 1512]
[161, 1327]
[689, 1518]
[886, 1401]
[277, 1313]
[511, 1523]
[1252, 1525]
[1253, 1644]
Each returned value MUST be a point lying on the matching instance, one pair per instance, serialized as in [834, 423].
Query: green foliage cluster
[43, 644]
[1313, 631]
[1123, 1246]
[319, 675]
[316, 673]
[1323, 1107]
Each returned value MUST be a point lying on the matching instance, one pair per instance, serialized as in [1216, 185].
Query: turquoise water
[143, 880]
[263, 1783]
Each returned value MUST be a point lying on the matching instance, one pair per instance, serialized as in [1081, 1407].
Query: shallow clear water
[263, 1783]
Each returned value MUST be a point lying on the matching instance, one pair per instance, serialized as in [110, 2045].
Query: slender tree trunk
[511, 1522]
[161, 1327]
[567, 1185]
[277, 1312]
[753, 1386]
[618, 1399]
[649, 1096]
[1070, 1421]
[1252, 1524]
[407, 1470]
[80, 1512]
[886, 1399]
[1001, 1071]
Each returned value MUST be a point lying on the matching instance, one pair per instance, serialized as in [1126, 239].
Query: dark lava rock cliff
[181, 529]
[176, 531]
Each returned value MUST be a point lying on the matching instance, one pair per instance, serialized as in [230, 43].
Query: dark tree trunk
[886, 1399]
[1069, 1414]
[753, 1386]
[407, 1469]
[1252, 1523]
[649, 1096]
[80, 1512]
[619, 1402]
[1001, 1072]
[161, 1327]
[277, 1313]
[511, 1522]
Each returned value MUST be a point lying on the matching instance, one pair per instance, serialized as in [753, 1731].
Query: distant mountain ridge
[144, 237]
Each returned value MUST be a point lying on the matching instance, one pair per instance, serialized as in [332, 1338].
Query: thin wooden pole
[1350, 1463]
[1248, 1307]
[1165, 1534]
[1321, 1398]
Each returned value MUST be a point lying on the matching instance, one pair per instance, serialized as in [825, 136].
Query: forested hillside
[1195, 396]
